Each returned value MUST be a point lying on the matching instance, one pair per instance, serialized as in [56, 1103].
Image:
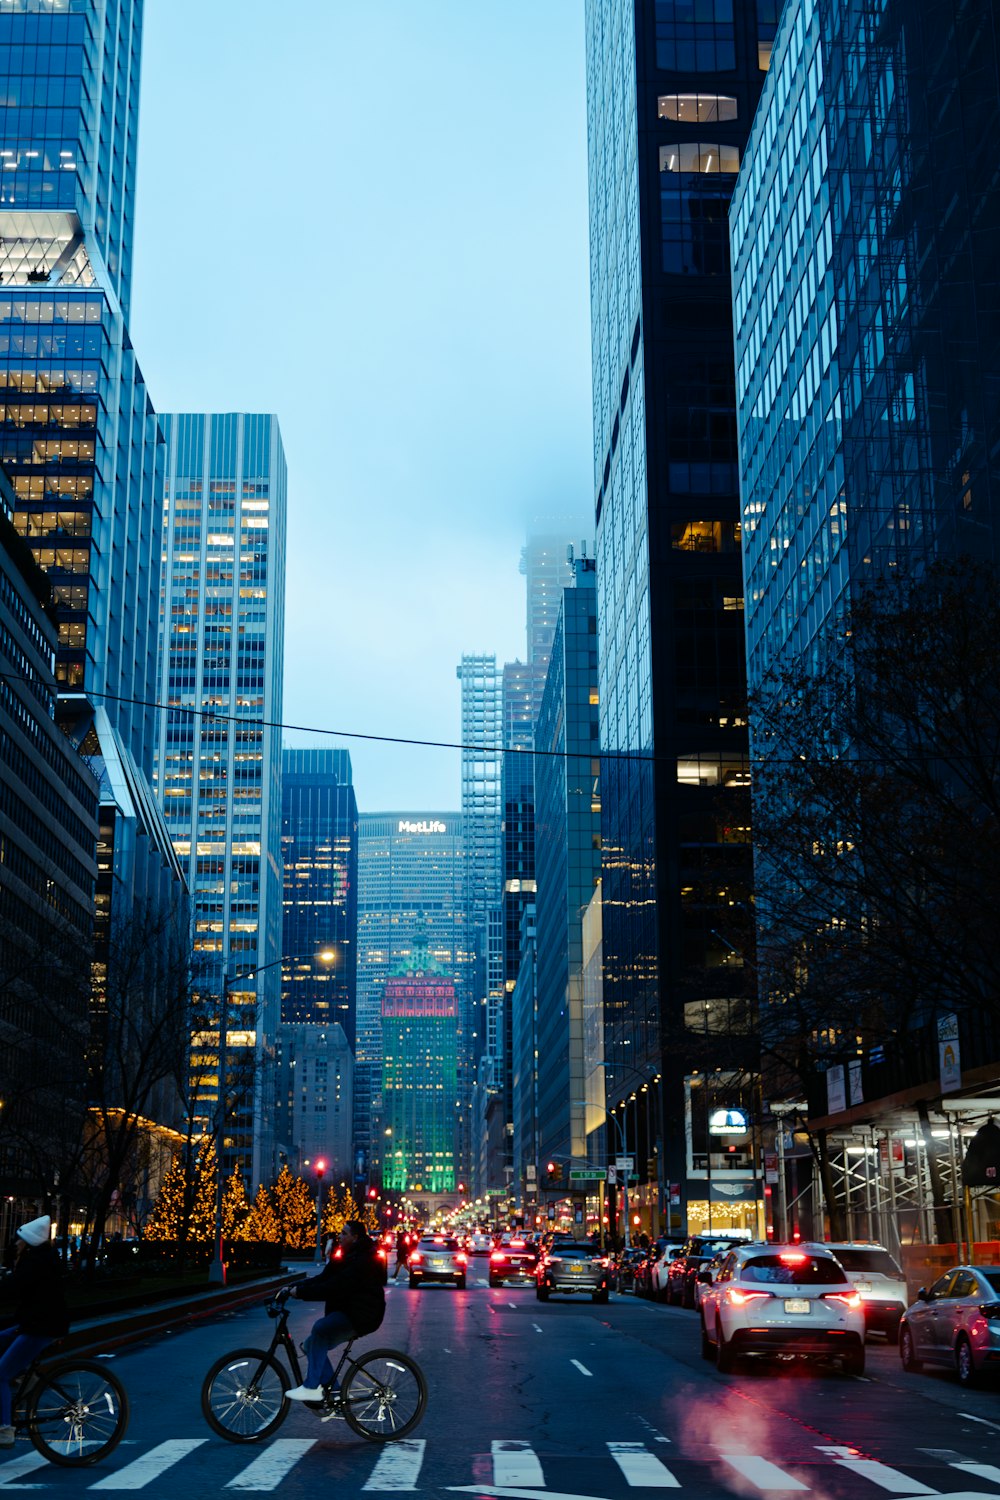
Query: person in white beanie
[40, 1311]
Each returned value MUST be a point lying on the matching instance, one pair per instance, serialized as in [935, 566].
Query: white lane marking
[14, 1468]
[141, 1471]
[892, 1480]
[398, 1467]
[537, 1327]
[515, 1464]
[946, 1455]
[981, 1471]
[510, 1494]
[762, 1473]
[970, 1418]
[642, 1469]
[267, 1471]
[582, 1368]
[511, 1304]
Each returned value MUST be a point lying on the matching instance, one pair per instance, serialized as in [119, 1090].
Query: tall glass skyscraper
[219, 753]
[671, 90]
[419, 1076]
[78, 433]
[319, 839]
[411, 894]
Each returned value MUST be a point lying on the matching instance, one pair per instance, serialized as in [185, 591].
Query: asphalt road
[562, 1399]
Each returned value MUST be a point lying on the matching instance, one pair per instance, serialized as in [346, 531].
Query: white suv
[881, 1283]
[785, 1301]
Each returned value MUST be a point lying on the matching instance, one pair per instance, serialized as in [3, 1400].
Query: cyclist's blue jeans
[333, 1329]
[17, 1350]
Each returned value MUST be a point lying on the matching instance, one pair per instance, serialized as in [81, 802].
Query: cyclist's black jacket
[35, 1286]
[351, 1285]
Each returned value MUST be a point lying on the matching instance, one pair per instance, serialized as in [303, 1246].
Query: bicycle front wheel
[77, 1412]
[385, 1396]
[243, 1396]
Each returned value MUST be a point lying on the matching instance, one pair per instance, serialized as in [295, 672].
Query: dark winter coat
[351, 1285]
[35, 1287]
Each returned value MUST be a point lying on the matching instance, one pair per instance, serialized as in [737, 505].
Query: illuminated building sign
[425, 825]
[728, 1122]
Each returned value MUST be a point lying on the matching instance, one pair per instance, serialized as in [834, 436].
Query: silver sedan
[955, 1324]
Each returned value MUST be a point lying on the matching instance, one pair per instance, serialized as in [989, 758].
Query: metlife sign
[424, 825]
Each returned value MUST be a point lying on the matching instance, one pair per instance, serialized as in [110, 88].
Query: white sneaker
[305, 1393]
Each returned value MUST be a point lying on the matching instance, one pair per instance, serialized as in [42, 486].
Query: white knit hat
[36, 1231]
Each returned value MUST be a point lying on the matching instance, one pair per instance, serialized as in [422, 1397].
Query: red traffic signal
[373, 1192]
[319, 1166]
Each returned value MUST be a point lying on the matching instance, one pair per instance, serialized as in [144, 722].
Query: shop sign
[949, 1055]
[770, 1166]
[728, 1122]
[836, 1091]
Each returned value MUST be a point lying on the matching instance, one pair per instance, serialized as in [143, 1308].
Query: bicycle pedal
[334, 1410]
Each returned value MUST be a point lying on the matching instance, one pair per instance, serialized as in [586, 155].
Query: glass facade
[78, 433]
[419, 1077]
[219, 751]
[671, 88]
[319, 840]
[411, 894]
[865, 226]
[568, 859]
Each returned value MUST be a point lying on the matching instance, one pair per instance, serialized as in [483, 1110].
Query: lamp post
[217, 1268]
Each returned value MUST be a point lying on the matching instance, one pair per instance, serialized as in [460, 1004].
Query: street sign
[585, 1174]
[625, 1163]
[612, 1177]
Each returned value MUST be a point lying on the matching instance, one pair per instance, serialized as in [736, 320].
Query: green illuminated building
[419, 1076]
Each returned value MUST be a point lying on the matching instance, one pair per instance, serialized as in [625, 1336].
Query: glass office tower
[419, 1076]
[319, 840]
[411, 894]
[219, 753]
[671, 92]
[866, 235]
[78, 434]
[568, 863]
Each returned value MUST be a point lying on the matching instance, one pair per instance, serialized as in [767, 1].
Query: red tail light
[381, 1253]
[414, 1258]
[849, 1299]
[498, 1255]
[740, 1299]
[793, 1258]
[463, 1260]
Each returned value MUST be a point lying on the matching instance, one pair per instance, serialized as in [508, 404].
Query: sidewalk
[93, 1335]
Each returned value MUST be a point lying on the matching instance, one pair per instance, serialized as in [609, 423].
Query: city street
[567, 1398]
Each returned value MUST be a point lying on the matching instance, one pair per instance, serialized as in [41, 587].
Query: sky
[372, 220]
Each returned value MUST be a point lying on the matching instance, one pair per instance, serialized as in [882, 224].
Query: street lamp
[217, 1269]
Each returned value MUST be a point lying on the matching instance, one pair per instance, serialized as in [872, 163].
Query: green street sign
[584, 1174]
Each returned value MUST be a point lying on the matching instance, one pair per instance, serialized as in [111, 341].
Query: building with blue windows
[219, 748]
[865, 231]
[319, 841]
[568, 865]
[671, 92]
[78, 434]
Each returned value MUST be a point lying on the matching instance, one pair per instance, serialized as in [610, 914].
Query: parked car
[955, 1324]
[880, 1280]
[512, 1260]
[677, 1285]
[706, 1276]
[789, 1301]
[661, 1257]
[438, 1257]
[626, 1266]
[573, 1266]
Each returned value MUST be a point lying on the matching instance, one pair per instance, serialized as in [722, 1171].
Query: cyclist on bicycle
[351, 1288]
[40, 1312]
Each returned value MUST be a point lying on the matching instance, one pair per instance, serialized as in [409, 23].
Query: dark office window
[695, 36]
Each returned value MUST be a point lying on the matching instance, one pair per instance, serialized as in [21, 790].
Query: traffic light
[553, 1173]
[373, 1192]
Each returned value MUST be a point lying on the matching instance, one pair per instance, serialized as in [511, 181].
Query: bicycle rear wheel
[243, 1395]
[385, 1396]
[77, 1412]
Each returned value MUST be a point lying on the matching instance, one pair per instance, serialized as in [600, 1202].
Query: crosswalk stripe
[16, 1468]
[515, 1465]
[141, 1471]
[892, 1480]
[267, 1471]
[398, 1467]
[981, 1471]
[762, 1473]
[642, 1469]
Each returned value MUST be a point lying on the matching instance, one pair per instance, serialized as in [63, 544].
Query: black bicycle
[381, 1396]
[75, 1411]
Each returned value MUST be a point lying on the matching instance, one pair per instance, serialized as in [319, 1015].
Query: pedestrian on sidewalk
[40, 1313]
